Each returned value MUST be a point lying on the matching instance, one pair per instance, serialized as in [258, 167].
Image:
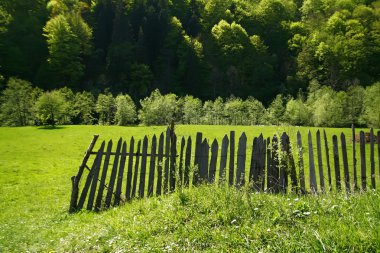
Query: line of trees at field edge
[21, 104]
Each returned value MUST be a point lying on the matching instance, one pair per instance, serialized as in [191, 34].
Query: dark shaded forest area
[204, 48]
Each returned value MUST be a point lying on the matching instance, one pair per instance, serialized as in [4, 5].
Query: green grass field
[35, 169]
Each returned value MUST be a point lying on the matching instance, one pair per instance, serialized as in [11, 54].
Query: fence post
[345, 163]
[363, 161]
[300, 163]
[197, 160]
[284, 164]
[120, 174]
[320, 163]
[187, 162]
[240, 171]
[336, 163]
[152, 166]
[180, 168]
[313, 180]
[128, 185]
[327, 160]
[275, 165]
[232, 158]
[214, 159]
[94, 183]
[223, 159]
[253, 171]
[372, 159]
[159, 164]
[354, 157]
[136, 172]
[173, 156]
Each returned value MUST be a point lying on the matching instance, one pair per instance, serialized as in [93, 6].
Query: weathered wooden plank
[336, 163]
[173, 155]
[291, 167]
[232, 159]
[136, 172]
[327, 160]
[128, 185]
[283, 176]
[269, 167]
[354, 160]
[262, 155]
[143, 167]
[241, 157]
[113, 175]
[372, 158]
[223, 159]
[345, 163]
[254, 170]
[102, 184]
[167, 161]
[313, 179]
[203, 163]
[213, 161]
[186, 176]
[75, 179]
[120, 174]
[301, 163]
[160, 157]
[180, 168]
[152, 166]
[275, 162]
[197, 159]
[363, 161]
[320, 163]
[94, 183]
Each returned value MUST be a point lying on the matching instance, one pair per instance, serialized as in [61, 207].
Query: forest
[208, 49]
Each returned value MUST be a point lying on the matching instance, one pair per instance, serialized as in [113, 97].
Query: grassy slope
[35, 170]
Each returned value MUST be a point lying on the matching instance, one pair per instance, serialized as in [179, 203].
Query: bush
[51, 108]
[125, 110]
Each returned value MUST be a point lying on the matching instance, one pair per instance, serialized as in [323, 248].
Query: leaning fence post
[354, 157]
[300, 163]
[363, 161]
[320, 163]
[336, 163]
[327, 160]
[313, 179]
[240, 172]
[75, 179]
[232, 158]
[372, 159]
[345, 163]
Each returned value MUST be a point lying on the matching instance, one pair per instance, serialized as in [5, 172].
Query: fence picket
[128, 186]
[345, 163]
[213, 161]
[180, 168]
[240, 171]
[203, 169]
[283, 179]
[187, 162]
[120, 174]
[173, 155]
[113, 174]
[143, 167]
[262, 159]
[232, 159]
[94, 183]
[254, 170]
[136, 172]
[275, 165]
[313, 179]
[269, 167]
[159, 164]
[301, 163]
[320, 163]
[354, 161]
[223, 159]
[167, 160]
[372, 159]
[336, 163]
[363, 161]
[327, 160]
[152, 166]
[99, 197]
[197, 159]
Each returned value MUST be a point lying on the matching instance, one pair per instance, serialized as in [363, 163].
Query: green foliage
[158, 109]
[192, 110]
[275, 111]
[125, 110]
[106, 108]
[297, 113]
[17, 103]
[371, 112]
[84, 108]
[51, 108]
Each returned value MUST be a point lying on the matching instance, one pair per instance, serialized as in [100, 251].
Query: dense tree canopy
[204, 48]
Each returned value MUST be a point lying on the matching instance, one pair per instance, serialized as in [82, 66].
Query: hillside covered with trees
[209, 49]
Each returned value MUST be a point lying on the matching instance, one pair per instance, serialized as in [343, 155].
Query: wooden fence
[274, 165]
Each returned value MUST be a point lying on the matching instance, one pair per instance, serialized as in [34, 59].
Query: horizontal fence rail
[158, 166]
